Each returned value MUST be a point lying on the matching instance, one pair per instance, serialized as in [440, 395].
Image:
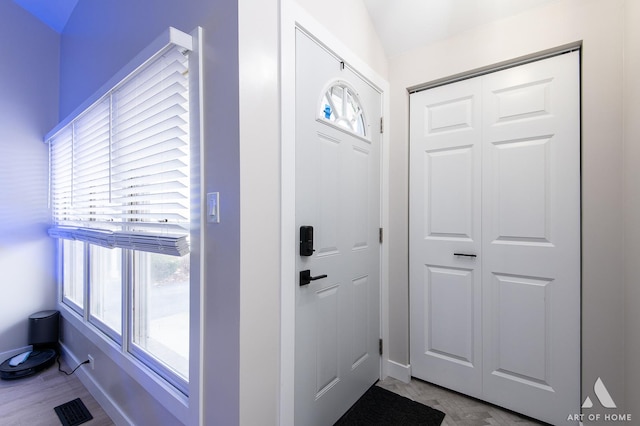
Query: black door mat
[73, 413]
[381, 407]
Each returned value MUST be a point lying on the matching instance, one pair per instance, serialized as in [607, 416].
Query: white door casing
[338, 193]
[515, 308]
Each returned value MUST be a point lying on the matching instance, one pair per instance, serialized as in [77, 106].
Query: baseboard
[105, 401]
[13, 352]
[399, 371]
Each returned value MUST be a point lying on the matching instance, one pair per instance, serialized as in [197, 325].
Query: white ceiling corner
[403, 25]
[54, 13]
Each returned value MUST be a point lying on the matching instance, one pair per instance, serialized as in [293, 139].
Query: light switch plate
[213, 207]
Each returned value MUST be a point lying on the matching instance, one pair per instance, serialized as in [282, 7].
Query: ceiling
[402, 25]
[54, 13]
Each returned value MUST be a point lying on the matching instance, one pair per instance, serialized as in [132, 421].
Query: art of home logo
[605, 400]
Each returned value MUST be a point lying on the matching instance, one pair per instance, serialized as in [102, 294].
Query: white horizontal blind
[120, 170]
[61, 161]
[150, 168]
[91, 167]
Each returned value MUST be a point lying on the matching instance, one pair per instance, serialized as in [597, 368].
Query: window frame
[178, 397]
[134, 348]
[125, 339]
[350, 90]
[72, 304]
[115, 335]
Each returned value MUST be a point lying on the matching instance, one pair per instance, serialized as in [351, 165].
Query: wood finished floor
[460, 410]
[30, 401]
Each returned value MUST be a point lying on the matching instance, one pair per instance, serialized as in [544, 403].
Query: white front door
[338, 195]
[495, 237]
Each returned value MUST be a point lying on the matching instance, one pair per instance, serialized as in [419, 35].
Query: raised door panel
[521, 196]
[448, 319]
[522, 101]
[449, 115]
[359, 210]
[521, 324]
[360, 321]
[449, 191]
[327, 343]
[328, 172]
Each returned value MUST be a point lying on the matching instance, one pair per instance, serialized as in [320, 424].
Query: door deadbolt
[306, 241]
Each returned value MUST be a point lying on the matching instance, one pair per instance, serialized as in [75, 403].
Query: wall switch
[213, 207]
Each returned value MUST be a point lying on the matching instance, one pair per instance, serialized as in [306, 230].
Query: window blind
[120, 169]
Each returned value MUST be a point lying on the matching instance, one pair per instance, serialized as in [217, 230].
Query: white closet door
[445, 225]
[495, 172]
[531, 238]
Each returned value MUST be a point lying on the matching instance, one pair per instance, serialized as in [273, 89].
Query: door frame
[498, 66]
[293, 17]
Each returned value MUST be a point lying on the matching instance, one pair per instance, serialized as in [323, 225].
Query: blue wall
[99, 39]
[28, 110]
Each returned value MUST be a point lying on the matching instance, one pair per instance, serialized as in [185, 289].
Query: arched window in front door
[340, 105]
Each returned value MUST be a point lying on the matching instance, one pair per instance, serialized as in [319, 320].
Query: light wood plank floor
[30, 401]
[460, 410]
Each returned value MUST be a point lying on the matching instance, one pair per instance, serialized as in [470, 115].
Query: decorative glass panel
[340, 105]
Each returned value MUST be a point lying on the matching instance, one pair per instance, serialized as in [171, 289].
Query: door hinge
[380, 346]
[381, 125]
[380, 232]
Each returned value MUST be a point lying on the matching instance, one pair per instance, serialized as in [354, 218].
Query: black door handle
[306, 278]
[465, 254]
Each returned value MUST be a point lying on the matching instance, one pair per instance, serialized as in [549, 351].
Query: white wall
[599, 23]
[632, 202]
[28, 109]
[125, 400]
[349, 21]
[260, 211]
